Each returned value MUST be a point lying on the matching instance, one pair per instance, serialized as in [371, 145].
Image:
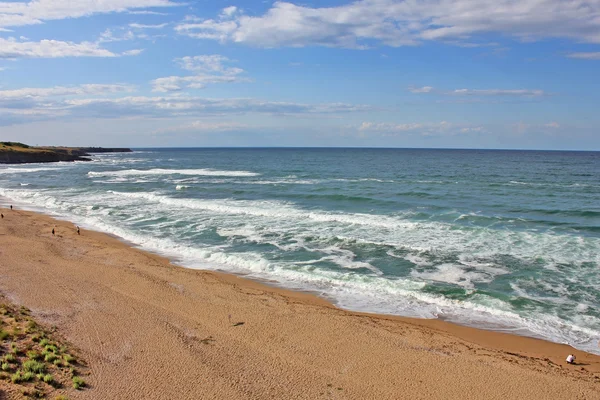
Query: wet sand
[152, 330]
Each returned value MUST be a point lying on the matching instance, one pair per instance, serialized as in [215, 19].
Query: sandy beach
[152, 330]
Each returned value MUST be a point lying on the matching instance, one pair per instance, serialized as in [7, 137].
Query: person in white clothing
[571, 359]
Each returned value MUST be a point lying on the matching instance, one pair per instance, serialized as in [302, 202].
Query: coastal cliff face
[19, 153]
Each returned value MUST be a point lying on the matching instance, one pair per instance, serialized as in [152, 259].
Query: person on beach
[571, 359]
[2, 215]
[78, 230]
[52, 231]
[11, 206]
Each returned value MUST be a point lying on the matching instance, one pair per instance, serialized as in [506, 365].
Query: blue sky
[372, 73]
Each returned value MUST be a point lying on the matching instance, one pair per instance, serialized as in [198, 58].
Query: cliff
[19, 153]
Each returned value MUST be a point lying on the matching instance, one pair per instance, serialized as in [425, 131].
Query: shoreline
[111, 269]
[277, 285]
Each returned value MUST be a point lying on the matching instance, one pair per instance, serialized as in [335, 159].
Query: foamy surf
[415, 241]
[161, 171]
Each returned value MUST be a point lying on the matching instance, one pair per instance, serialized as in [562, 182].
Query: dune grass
[32, 359]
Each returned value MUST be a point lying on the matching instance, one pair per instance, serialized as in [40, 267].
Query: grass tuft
[6, 366]
[3, 334]
[34, 355]
[16, 377]
[48, 378]
[27, 376]
[78, 382]
[50, 347]
[69, 359]
[34, 366]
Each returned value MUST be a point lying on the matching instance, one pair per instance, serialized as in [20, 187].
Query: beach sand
[152, 330]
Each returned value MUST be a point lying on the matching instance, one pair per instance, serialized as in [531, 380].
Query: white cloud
[208, 29]
[208, 63]
[87, 89]
[204, 126]
[586, 56]
[11, 48]
[134, 52]
[142, 26]
[37, 11]
[424, 89]
[423, 129]
[147, 13]
[76, 103]
[481, 92]
[229, 11]
[388, 127]
[398, 23]
[109, 36]
[208, 69]
[498, 92]
[522, 127]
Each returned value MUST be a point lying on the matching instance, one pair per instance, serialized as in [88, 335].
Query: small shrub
[44, 342]
[17, 332]
[78, 382]
[16, 377]
[31, 326]
[3, 334]
[10, 358]
[59, 362]
[61, 397]
[50, 357]
[48, 379]
[27, 376]
[69, 358]
[34, 366]
[6, 366]
[51, 348]
[34, 355]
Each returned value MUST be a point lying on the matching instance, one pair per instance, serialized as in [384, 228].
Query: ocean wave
[330, 235]
[13, 170]
[161, 171]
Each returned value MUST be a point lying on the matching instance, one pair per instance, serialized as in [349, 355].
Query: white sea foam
[16, 170]
[269, 221]
[161, 171]
[452, 273]
[389, 230]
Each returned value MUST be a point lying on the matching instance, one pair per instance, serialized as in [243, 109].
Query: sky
[508, 74]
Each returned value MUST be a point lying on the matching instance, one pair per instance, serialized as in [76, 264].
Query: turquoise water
[505, 240]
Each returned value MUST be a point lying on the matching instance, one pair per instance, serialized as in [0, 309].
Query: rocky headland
[19, 153]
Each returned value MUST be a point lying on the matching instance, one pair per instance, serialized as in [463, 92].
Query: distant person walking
[11, 206]
[52, 231]
[78, 232]
[2, 215]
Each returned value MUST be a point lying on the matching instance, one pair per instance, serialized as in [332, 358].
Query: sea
[496, 239]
